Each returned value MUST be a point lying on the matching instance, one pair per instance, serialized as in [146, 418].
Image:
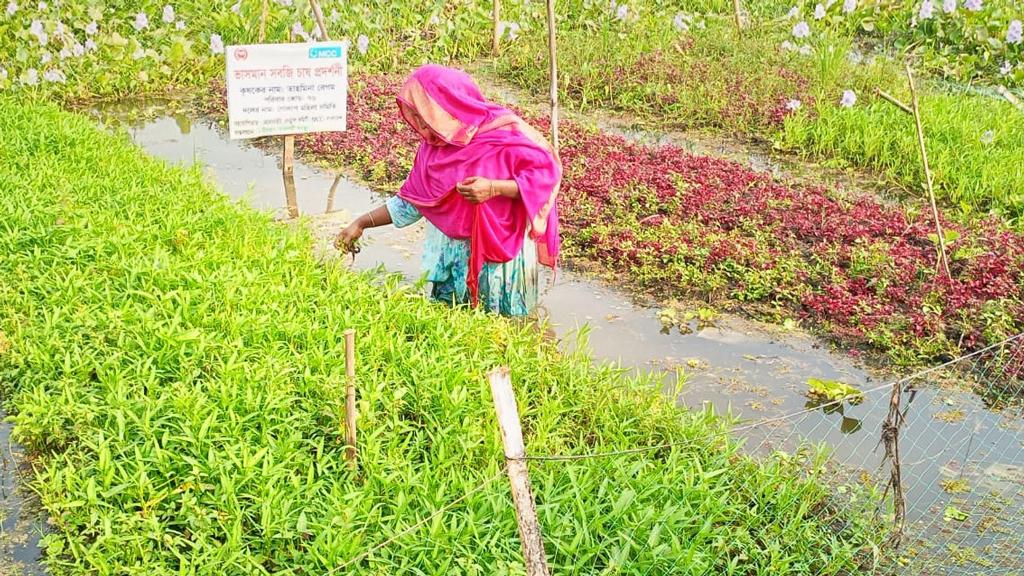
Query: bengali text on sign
[276, 89]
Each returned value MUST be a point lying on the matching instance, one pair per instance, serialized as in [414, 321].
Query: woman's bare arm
[347, 238]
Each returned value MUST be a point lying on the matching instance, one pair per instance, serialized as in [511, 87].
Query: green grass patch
[175, 361]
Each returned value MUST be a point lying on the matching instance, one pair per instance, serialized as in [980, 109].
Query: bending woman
[486, 182]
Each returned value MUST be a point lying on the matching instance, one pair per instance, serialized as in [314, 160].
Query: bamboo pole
[915, 106]
[518, 474]
[553, 56]
[350, 397]
[496, 41]
[737, 12]
[263, 21]
[288, 168]
[894, 101]
[318, 15]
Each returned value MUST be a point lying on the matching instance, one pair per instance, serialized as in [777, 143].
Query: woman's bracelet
[372, 223]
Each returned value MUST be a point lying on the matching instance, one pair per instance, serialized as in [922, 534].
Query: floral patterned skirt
[508, 288]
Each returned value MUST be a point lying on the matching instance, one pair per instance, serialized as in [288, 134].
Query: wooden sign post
[518, 474]
[496, 41]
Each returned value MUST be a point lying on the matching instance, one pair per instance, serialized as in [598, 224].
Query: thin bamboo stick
[894, 101]
[737, 9]
[350, 397]
[318, 15]
[496, 40]
[263, 21]
[553, 55]
[915, 106]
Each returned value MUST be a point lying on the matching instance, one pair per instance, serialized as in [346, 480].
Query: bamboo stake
[331, 194]
[318, 15]
[553, 55]
[737, 9]
[288, 173]
[894, 101]
[1010, 97]
[518, 474]
[350, 397]
[263, 21]
[915, 106]
[891, 440]
[496, 41]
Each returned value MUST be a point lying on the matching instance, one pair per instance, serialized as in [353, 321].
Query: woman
[487, 184]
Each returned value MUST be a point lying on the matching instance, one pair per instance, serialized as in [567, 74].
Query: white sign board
[276, 89]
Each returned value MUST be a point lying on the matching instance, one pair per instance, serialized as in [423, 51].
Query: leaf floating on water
[952, 486]
[833, 390]
[954, 513]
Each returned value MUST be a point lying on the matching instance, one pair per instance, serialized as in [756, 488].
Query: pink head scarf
[478, 138]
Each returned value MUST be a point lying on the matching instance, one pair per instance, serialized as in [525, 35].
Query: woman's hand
[476, 189]
[347, 238]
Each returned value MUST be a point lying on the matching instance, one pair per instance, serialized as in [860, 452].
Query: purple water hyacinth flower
[44, 38]
[927, 10]
[237, 8]
[949, 6]
[3, 73]
[90, 45]
[168, 16]
[91, 28]
[801, 29]
[43, 6]
[819, 12]
[45, 58]
[1015, 33]
[793, 105]
[1006, 68]
[681, 22]
[54, 76]
[793, 13]
[849, 99]
[12, 7]
[849, 6]
[78, 50]
[621, 12]
[35, 28]
[973, 5]
[64, 53]
[31, 77]
[362, 44]
[141, 22]
[216, 44]
[179, 25]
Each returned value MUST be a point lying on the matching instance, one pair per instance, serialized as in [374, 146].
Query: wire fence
[934, 460]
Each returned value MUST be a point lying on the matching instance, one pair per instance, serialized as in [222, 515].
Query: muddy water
[753, 371]
[21, 524]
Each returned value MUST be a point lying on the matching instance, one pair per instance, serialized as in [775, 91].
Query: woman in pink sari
[486, 182]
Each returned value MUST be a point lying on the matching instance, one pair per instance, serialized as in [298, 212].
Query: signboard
[277, 89]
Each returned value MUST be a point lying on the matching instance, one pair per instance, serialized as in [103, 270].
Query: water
[753, 371]
[21, 524]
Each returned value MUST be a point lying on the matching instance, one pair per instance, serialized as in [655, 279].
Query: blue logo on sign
[325, 52]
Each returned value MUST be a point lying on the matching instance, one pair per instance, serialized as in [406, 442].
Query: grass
[174, 361]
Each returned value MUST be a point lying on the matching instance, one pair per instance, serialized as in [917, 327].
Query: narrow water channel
[752, 371]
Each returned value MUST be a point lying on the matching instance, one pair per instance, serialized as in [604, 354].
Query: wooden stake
[894, 101]
[518, 474]
[263, 21]
[915, 106]
[288, 173]
[1010, 97]
[496, 41]
[737, 9]
[891, 440]
[318, 15]
[553, 56]
[331, 194]
[350, 397]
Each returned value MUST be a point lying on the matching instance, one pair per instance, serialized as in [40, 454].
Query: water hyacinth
[64, 53]
[300, 31]
[510, 29]
[78, 50]
[926, 11]
[793, 13]
[91, 28]
[681, 22]
[805, 50]
[139, 54]
[793, 105]
[90, 45]
[973, 5]
[12, 7]
[801, 29]
[31, 77]
[141, 22]
[168, 16]
[949, 6]
[1006, 68]
[59, 29]
[45, 58]
[362, 44]
[3, 73]
[216, 44]
[788, 46]
[54, 76]
[849, 6]
[988, 137]
[819, 12]
[849, 99]
[621, 12]
[1015, 33]
[179, 25]
[237, 8]
[43, 6]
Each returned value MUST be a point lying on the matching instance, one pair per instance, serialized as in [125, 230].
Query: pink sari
[480, 139]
